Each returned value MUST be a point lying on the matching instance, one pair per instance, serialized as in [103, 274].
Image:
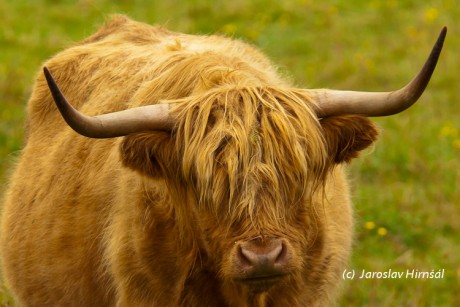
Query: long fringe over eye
[250, 149]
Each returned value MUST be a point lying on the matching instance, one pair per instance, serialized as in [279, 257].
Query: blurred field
[407, 192]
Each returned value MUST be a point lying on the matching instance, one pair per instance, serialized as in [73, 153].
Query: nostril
[272, 255]
[246, 257]
[281, 255]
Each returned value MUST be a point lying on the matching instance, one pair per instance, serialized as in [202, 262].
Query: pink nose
[262, 259]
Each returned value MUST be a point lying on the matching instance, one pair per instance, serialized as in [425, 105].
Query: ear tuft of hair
[150, 153]
[347, 135]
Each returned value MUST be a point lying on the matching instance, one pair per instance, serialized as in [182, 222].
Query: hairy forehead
[251, 145]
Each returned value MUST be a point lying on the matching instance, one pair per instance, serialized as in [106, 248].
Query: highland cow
[192, 174]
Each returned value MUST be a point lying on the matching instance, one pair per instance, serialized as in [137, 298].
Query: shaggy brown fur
[152, 219]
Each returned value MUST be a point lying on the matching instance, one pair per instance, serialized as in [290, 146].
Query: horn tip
[49, 79]
[46, 72]
[442, 35]
[439, 42]
[443, 32]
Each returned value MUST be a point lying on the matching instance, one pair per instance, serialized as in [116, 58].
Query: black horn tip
[444, 31]
[440, 42]
[65, 108]
[442, 35]
[48, 76]
[55, 92]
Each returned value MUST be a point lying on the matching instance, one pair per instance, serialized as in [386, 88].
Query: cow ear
[150, 153]
[347, 135]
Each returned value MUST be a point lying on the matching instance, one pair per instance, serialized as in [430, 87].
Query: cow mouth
[262, 283]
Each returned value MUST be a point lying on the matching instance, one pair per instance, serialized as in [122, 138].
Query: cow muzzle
[262, 262]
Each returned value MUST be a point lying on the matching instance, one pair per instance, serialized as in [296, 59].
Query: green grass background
[406, 189]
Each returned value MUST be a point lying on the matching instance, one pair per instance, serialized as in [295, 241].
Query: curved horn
[334, 102]
[145, 118]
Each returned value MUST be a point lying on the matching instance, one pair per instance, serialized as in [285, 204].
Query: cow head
[248, 165]
[248, 161]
